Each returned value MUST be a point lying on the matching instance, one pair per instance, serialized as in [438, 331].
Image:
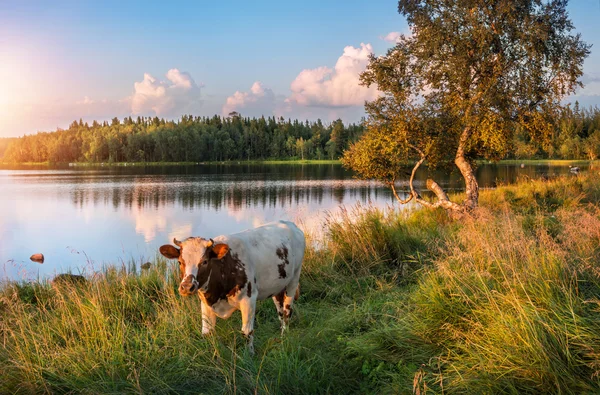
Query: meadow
[504, 301]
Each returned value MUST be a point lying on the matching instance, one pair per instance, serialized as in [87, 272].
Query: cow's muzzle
[188, 286]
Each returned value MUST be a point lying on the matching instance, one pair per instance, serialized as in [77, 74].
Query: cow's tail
[297, 292]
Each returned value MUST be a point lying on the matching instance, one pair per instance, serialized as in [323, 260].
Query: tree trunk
[471, 185]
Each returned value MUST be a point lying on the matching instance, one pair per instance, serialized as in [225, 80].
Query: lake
[82, 218]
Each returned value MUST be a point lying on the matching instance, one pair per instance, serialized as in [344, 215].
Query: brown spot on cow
[279, 299]
[227, 276]
[282, 253]
[249, 289]
[282, 273]
[233, 291]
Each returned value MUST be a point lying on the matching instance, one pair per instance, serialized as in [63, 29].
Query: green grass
[547, 162]
[391, 302]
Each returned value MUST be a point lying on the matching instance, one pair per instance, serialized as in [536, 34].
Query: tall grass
[506, 301]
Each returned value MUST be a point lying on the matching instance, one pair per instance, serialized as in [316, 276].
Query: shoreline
[205, 163]
[527, 162]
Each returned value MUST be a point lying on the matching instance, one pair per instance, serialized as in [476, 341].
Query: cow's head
[192, 254]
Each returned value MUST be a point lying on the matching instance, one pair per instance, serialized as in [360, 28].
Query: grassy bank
[548, 162]
[507, 301]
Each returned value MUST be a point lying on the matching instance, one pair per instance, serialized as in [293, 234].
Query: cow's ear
[221, 250]
[168, 251]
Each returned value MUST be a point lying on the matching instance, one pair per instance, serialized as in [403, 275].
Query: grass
[391, 302]
[547, 162]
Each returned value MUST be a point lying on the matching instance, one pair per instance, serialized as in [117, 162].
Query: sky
[65, 60]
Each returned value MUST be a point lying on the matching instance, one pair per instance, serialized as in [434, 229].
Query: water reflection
[192, 194]
[82, 218]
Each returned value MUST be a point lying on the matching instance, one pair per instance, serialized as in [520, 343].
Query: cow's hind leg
[284, 301]
[291, 293]
[279, 301]
[247, 308]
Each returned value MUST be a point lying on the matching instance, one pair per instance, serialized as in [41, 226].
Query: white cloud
[177, 95]
[338, 87]
[391, 37]
[260, 100]
[591, 82]
[394, 37]
[322, 92]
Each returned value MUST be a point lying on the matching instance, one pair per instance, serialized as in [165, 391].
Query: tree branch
[402, 201]
[443, 200]
[414, 171]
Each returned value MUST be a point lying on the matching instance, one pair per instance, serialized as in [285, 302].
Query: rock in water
[39, 258]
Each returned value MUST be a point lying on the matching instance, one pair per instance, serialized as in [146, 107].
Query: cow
[233, 271]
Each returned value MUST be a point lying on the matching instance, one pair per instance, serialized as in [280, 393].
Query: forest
[189, 139]
[575, 135]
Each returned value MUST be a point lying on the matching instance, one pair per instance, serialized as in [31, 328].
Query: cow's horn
[212, 243]
[176, 242]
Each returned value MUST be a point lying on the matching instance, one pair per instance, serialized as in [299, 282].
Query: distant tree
[300, 147]
[339, 136]
[331, 150]
[459, 85]
[592, 145]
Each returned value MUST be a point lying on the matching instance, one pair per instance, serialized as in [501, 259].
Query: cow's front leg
[209, 319]
[247, 308]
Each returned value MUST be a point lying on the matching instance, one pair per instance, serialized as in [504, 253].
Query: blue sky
[63, 60]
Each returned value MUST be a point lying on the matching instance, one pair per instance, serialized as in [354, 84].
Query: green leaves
[470, 75]
[379, 154]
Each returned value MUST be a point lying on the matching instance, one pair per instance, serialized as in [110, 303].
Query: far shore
[228, 162]
[528, 162]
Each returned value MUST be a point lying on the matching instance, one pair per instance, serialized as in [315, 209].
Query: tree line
[575, 135]
[189, 139]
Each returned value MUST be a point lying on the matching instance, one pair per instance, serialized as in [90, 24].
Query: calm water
[82, 218]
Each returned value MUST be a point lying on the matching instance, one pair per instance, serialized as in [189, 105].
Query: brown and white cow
[232, 272]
